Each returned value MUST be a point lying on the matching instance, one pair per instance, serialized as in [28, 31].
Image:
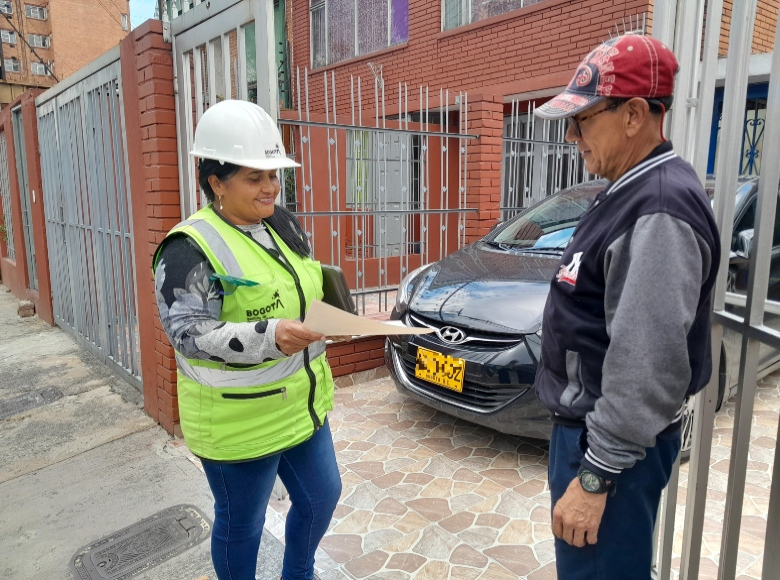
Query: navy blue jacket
[626, 327]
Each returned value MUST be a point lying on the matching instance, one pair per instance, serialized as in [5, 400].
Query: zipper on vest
[282, 391]
[302, 301]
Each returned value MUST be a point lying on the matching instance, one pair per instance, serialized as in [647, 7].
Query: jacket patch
[260, 313]
[569, 273]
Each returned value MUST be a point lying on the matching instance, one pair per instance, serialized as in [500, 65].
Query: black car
[485, 305]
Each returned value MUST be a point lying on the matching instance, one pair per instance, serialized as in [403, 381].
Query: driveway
[427, 496]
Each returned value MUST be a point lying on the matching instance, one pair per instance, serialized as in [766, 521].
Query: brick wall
[82, 30]
[356, 356]
[147, 75]
[763, 32]
[15, 274]
[527, 49]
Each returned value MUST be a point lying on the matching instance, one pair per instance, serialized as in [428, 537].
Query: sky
[141, 11]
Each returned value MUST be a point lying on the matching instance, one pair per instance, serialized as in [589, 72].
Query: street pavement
[88, 464]
[426, 496]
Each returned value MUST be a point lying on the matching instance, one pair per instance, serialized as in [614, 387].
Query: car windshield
[549, 225]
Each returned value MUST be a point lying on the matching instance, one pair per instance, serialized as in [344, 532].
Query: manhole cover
[28, 401]
[143, 545]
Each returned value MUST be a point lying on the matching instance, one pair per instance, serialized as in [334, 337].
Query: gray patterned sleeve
[189, 303]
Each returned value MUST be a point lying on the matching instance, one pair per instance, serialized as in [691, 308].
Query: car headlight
[406, 289]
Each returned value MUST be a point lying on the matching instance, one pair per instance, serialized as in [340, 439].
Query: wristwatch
[594, 483]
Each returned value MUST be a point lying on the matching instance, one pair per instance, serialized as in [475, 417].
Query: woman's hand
[292, 336]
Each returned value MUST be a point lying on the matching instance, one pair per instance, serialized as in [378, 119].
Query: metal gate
[379, 195]
[219, 53]
[536, 161]
[24, 194]
[81, 131]
[5, 194]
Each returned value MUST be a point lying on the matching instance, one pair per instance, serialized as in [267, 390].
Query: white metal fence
[380, 194]
[681, 23]
[81, 131]
[537, 161]
[222, 49]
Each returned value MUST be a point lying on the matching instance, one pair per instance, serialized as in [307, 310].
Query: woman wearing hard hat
[233, 283]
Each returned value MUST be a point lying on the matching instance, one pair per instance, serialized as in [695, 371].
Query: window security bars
[379, 195]
[537, 161]
[5, 196]
[343, 29]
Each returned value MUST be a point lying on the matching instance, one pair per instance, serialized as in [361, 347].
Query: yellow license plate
[440, 369]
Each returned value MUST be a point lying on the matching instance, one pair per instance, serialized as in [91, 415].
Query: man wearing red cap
[626, 327]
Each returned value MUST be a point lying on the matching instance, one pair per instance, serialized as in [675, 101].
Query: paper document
[332, 321]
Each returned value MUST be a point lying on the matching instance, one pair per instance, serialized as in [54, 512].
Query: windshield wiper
[546, 249]
[500, 245]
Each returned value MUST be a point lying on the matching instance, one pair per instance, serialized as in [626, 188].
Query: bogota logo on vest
[263, 313]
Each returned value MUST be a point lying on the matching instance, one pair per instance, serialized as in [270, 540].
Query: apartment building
[43, 42]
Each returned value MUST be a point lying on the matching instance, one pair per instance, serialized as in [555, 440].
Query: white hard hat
[241, 133]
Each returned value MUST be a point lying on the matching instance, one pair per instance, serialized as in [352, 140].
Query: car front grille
[475, 396]
[473, 337]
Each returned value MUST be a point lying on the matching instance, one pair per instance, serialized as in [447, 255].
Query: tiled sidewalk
[427, 496]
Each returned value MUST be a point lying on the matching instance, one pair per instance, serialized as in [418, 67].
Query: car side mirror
[744, 244]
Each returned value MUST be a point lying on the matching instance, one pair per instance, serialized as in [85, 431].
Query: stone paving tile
[428, 496]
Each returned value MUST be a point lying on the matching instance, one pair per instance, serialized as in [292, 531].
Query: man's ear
[638, 114]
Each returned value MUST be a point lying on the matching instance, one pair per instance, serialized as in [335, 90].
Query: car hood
[486, 289]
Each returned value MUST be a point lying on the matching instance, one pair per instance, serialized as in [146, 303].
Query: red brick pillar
[486, 119]
[147, 79]
[42, 298]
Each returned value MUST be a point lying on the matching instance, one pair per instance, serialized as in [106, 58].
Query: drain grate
[143, 545]
[28, 401]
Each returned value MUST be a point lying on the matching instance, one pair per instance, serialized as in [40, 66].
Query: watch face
[590, 482]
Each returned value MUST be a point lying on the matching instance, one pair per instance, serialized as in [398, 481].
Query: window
[125, 22]
[343, 29]
[8, 36]
[38, 41]
[460, 12]
[6, 7]
[38, 68]
[37, 12]
[11, 65]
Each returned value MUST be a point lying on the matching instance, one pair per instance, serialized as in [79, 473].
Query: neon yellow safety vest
[231, 413]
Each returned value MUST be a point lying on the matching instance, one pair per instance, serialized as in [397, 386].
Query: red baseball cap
[627, 66]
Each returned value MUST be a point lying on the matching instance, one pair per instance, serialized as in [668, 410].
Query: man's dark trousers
[624, 548]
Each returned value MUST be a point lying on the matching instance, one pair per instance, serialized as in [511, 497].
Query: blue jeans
[241, 493]
[625, 543]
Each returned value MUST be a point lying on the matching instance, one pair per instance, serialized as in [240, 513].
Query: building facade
[520, 51]
[43, 42]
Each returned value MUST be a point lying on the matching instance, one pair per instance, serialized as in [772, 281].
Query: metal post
[685, 47]
[706, 98]
[742, 21]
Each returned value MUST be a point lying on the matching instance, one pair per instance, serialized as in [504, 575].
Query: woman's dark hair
[282, 221]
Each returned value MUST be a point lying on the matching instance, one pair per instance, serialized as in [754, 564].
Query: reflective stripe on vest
[218, 378]
[217, 244]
